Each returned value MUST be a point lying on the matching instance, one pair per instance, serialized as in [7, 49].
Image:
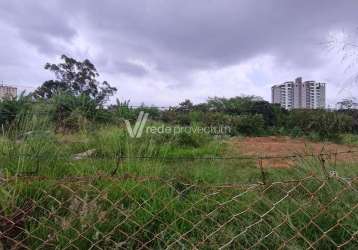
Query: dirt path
[281, 146]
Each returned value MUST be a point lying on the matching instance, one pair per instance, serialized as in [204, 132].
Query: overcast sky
[164, 51]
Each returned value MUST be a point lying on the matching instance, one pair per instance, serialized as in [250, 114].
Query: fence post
[263, 174]
[323, 165]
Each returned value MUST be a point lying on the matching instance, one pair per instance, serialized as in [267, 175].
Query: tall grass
[188, 205]
[128, 213]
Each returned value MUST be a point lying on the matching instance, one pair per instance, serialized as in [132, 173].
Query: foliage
[69, 112]
[353, 113]
[154, 191]
[326, 124]
[75, 78]
[124, 111]
[244, 115]
[248, 124]
[250, 115]
[194, 140]
[13, 109]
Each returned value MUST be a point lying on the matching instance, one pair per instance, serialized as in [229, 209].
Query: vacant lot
[282, 146]
[82, 195]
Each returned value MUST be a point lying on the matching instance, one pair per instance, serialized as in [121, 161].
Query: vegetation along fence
[128, 211]
[145, 213]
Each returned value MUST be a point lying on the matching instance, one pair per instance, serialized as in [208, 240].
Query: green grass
[351, 139]
[169, 202]
[160, 213]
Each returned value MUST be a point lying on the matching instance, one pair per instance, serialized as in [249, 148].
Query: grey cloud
[179, 37]
[126, 68]
[39, 23]
[188, 35]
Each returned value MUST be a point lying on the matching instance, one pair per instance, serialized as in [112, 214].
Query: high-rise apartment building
[7, 91]
[297, 94]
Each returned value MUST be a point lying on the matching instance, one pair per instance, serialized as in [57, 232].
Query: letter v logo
[137, 131]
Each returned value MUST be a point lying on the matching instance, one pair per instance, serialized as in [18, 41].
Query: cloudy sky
[164, 51]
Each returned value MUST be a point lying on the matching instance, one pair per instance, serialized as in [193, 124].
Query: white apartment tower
[299, 95]
[7, 91]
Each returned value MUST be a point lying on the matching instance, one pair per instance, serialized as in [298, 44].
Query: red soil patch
[283, 146]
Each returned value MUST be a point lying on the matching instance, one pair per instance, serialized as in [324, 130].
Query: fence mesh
[128, 212]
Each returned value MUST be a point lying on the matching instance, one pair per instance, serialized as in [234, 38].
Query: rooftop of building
[7, 86]
[297, 80]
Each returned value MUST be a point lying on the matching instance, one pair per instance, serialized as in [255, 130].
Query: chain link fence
[131, 212]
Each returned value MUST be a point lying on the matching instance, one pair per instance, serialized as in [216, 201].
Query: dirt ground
[282, 146]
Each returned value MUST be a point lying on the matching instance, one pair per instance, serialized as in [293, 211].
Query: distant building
[299, 95]
[7, 91]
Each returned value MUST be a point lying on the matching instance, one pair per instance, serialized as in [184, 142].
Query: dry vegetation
[286, 146]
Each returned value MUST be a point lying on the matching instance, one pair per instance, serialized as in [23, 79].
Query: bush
[296, 132]
[123, 111]
[248, 125]
[70, 112]
[328, 125]
[194, 140]
[13, 109]
[216, 119]
[353, 113]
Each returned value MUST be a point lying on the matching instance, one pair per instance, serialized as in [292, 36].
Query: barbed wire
[157, 157]
[118, 159]
[184, 181]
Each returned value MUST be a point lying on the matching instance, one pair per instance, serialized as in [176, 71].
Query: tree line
[76, 98]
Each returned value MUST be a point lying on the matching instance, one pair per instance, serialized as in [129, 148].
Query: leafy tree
[185, 106]
[202, 107]
[235, 106]
[281, 115]
[266, 110]
[75, 78]
[328, 125]
[248, 124]
[353, 113]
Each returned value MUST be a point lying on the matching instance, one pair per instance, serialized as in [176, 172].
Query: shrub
[248, 124]
[328, 125]
[13, 109]
[296, 132]
[217, 119]
[70, 112]
[194, 140]
[123, 111]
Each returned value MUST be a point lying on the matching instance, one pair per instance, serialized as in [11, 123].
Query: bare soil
[284, 146]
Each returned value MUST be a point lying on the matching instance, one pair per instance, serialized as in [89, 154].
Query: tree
[266, 110]
[185, 106]
[75, 78]
[235, 105]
